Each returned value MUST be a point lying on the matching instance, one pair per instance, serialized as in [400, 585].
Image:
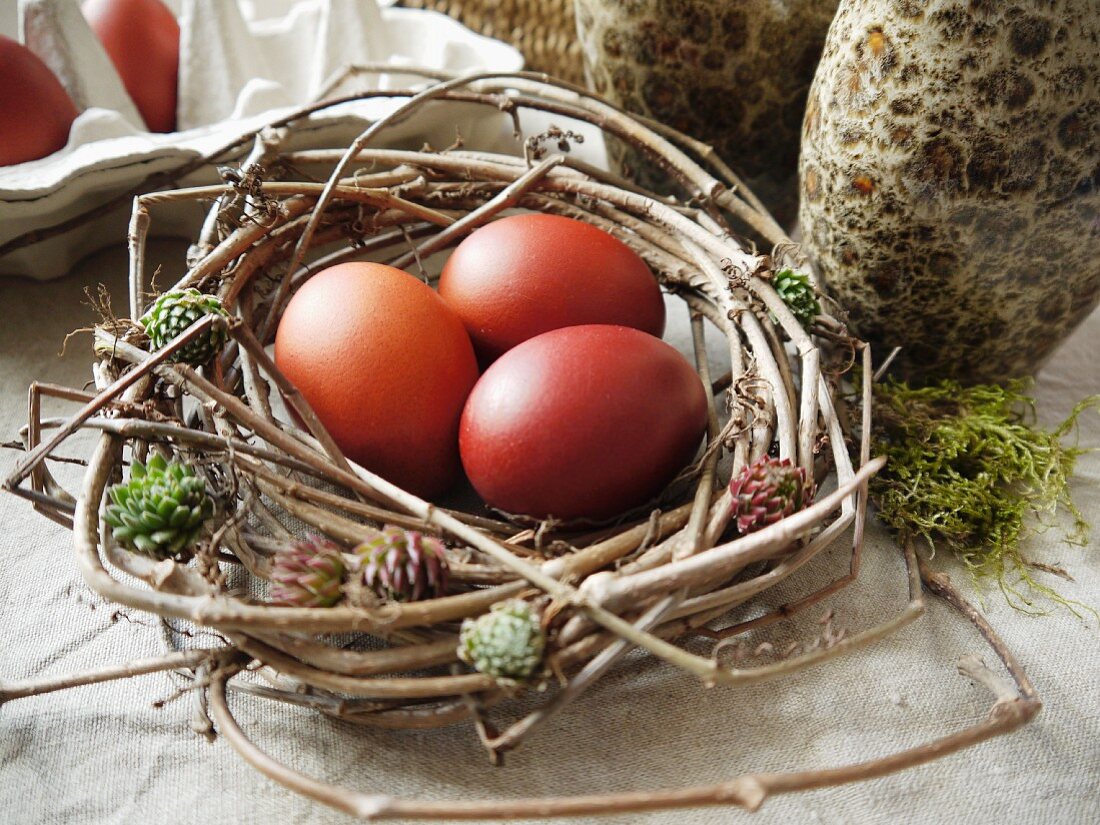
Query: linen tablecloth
[105, 754]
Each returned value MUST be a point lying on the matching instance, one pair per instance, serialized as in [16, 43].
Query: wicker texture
[544, 31]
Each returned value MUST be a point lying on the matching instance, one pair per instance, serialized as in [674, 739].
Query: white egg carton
[242, 64]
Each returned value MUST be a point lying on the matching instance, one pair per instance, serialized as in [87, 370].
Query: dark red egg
[142, 38]
[583, 422]
[523, 275]
[36, 112]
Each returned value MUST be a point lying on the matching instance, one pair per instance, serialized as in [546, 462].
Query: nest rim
[794, 441]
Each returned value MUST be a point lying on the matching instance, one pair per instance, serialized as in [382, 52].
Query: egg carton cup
[665, 580]
[243, 64]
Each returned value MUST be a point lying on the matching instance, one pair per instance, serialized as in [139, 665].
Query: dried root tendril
[969, 470]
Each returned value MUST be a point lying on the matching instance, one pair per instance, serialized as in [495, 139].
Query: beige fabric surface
[105, 754]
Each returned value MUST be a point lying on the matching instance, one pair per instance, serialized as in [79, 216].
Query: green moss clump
[969, 470]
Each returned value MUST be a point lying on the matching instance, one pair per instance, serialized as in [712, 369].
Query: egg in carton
[242, 64]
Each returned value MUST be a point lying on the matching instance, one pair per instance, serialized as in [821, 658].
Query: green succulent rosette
[173, 312]
[160, 510]
[798, 294]
[506, 643]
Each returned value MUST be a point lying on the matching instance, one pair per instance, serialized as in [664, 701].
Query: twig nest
[652, 579]
[505, 643]
[161, 510]
[174, 312]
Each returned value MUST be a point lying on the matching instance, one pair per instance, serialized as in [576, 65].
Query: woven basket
[654, 583]
[544, 31]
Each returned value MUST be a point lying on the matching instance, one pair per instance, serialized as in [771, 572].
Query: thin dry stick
[42, 480]
[509, 196]
[26, 464]
[748, 791]
[137, 667]
[290, 394]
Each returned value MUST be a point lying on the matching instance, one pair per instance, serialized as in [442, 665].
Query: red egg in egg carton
[159, 84]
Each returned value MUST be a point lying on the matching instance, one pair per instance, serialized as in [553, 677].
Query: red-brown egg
[142, 38]
[583, 422]
[385, 365]
[523, 275]
[36, 113]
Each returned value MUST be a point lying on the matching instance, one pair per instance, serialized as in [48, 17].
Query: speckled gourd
[950, 178]
[733, 73]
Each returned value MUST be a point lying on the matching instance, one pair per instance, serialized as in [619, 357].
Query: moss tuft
[968, 470]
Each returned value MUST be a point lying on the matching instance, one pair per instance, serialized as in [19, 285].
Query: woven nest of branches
[654, 582]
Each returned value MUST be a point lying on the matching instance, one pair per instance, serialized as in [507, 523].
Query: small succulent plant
[160, 510]
[505, 643]
[766, 491]
[798, 294]
[308, 573]
[403, 565]
[174, 312]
